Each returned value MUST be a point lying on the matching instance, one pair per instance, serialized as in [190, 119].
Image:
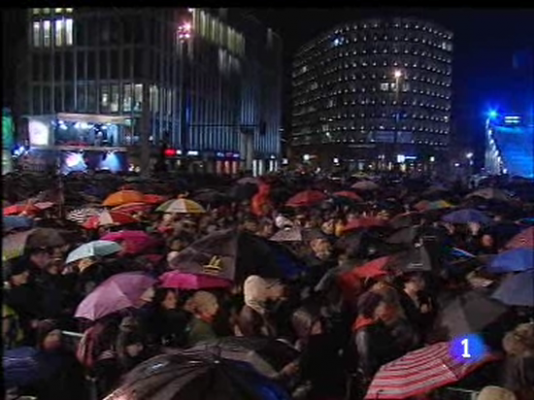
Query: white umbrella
[98, 248]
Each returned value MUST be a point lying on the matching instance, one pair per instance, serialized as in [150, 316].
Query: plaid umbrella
[108, 218]
[124, 197]
[524, 240]
[419, 372]
[181, 206]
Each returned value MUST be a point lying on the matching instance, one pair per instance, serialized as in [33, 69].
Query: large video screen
[82, 161]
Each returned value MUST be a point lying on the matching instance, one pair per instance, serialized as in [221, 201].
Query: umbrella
[133, 242]
[180, 280]
[209, 196]
[124, 197]
[17, 209]
[248, 180]
[438, 205]
[11, 222]
[515, 260]
[106, 218]
[181, 206]
[419, 372]
[294, 234]
[196, 376]
[470, 312]
[15, 244]
[244, 192]
[81, 215]
[306, 198]
[525, 240]
[347, 194]
[267, 356]
[365, 186]
[362, 223]
[97, 248]
[21, 367]
[349, 281]
[490, 194]
[230, 255]
[131, 208]
[405, 220]
[517, 290]
[467, 216]
[114, 294]
[154, 199]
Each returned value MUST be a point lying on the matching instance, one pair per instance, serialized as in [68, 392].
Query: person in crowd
[519, 364]
[203, 306]
[12, 334]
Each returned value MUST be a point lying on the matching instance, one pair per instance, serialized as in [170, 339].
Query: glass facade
[97, 61]
[374, 82]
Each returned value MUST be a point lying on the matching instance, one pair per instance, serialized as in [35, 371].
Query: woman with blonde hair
[204, 306]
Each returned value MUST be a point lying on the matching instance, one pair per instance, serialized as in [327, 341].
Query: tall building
[202, 84]
[373, 93]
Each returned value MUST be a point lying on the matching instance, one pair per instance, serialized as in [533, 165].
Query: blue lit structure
[509, 146]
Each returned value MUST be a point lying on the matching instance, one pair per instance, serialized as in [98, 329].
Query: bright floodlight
[469, 155]
[492, 114]
[397, 73]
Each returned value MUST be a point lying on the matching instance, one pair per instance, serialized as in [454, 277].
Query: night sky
[484, 43]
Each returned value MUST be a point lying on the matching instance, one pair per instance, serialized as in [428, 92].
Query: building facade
[373, 93]
[201, 83]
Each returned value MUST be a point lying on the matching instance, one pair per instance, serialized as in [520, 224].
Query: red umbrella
[362, 223]
[419, 372]
[523, 240]
[133, 242]
[180, 280]
[17, 209]
[348, 195]
[108, 218]
[306, 198]
[351, 282]
[154, 199]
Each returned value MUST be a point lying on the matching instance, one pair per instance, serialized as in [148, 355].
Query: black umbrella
[229, 254]
[208, 196]
[470, 312]
[196, 376]
[267, 356]
[244, 192]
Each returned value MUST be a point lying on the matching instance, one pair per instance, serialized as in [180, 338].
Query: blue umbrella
[12, 222]
[517, 260]
[20, 366]
[466, 216]
[517, 290]
[288, 263]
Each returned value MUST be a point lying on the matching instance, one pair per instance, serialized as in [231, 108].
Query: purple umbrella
[114, 294]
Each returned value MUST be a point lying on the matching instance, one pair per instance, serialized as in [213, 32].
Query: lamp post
[184, 35]
[397, 74]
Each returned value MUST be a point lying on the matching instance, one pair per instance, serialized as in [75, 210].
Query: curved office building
[373, 92]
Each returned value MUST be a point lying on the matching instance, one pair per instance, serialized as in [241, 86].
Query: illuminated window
[37, 34]
[104, 98]
[36, 11]
[46, 33]
[114, 106]
[138, 96]
[154, 98]
[69, 10]
[68, 32]
[127, 98]
[58, 10]
[45, 10]
[59, 29]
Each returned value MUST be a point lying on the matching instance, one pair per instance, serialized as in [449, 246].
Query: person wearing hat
[519, 365]
[22, 298]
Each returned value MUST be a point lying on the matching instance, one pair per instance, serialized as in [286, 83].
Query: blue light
[468, 348]
[492, 114]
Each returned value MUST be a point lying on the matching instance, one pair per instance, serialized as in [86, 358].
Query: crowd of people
[352, 276]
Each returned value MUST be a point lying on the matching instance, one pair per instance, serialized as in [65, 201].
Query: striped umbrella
[80, 215]
[106, 218]
[419, 372]
[181, 206]
[131, 208]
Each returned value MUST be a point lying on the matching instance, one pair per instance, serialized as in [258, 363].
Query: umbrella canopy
[230, 255]
[467, 216]
[133, 242]
[362, 223]
[80, 215]
[10, 223]
[365, 186]
[154, 199]
[180, 280]
[517, 290]
[419, 372]
[15, 244]
[490, 194]
[209, 196]
[525, 240]
[347, 194]
[124, 197]
[17, 209]
[114, 294]
[97, 248]
[306, 199]
[181, 206]
[294, 234]
[131, 208]
[516, 260]
[196, 376]
[267, 356]
[470, 312]
[244, 192]
[106, 218]
[249, 180]
[405, 220]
